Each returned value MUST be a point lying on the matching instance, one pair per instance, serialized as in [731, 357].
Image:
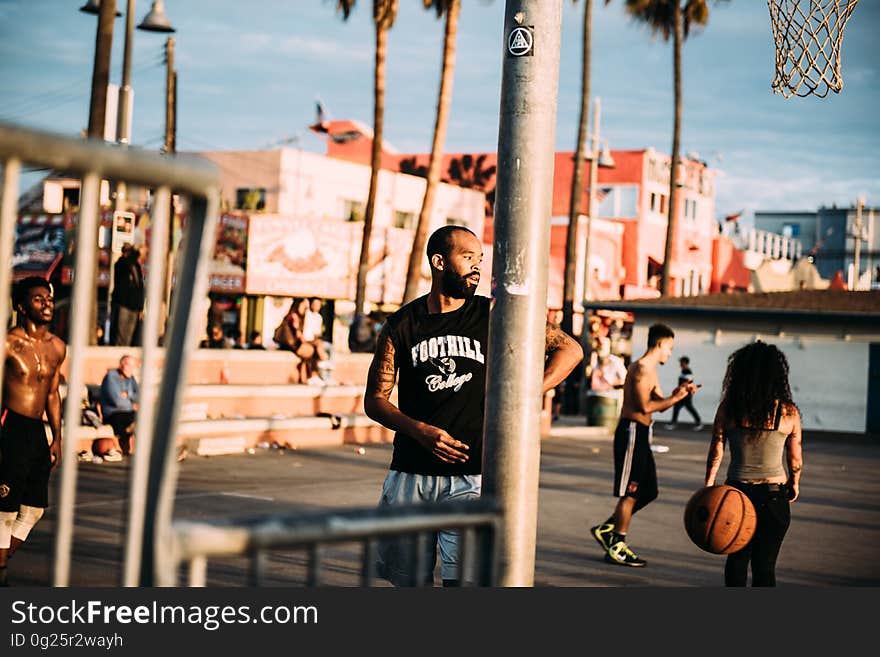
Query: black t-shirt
[441, 361]
[685, 376]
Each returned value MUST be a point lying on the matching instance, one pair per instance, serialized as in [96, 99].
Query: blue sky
[249, 74]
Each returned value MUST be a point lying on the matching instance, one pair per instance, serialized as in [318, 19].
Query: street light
[599, 157]
[154, 21]
[94, 7]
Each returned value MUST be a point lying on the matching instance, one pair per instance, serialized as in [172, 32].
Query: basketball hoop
[808, 34]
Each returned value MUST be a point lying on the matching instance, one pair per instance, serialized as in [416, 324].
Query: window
[250, 198]
[404, 219]
[791, 230]
[617, 201]
[353, 211]
[690, 210]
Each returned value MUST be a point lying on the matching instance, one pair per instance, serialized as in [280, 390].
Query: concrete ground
[833, 540]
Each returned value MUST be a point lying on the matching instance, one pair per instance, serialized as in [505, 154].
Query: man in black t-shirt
[436, 345]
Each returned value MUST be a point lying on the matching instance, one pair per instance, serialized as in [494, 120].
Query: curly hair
[756, 379]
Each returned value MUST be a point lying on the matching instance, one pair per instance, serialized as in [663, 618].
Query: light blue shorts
[395, 562]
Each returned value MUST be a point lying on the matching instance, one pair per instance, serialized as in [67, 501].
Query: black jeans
[688, 403]
[773, 511]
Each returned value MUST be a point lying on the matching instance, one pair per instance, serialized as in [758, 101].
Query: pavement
[833, 539]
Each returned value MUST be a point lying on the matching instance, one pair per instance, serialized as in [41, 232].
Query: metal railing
[478, 522]
[154, 473]
[149, 530]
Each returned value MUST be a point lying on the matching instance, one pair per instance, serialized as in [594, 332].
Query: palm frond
[345, 7]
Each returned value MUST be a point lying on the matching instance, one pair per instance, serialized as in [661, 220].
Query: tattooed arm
[377, 405]
[561, 355]
[794, 455]
[716, 448]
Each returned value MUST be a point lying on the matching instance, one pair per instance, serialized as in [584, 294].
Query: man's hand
[685, 389]
[55, 453]
[443, 446]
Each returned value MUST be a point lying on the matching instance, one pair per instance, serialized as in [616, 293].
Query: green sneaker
[602, 533]
[620, 554]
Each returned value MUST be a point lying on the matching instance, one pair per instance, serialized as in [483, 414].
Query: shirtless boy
[30, 390]
[635, 474]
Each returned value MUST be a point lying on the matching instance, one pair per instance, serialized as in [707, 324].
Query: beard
[457, 287]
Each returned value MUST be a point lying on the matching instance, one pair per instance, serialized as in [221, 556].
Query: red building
[628, 234]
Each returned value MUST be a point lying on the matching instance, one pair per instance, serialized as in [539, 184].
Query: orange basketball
[103, 445]
[720, 519]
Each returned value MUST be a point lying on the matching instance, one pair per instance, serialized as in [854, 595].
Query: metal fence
[149, 529]
[154, 472]
[408, 526]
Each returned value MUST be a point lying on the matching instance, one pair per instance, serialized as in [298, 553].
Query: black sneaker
[620, 554]
[602, 533]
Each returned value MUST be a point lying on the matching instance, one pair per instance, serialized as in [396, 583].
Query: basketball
[720, 519]
[103, 445]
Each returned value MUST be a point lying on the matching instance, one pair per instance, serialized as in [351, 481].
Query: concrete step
[208, 401]
[230, 436]
[235, 366]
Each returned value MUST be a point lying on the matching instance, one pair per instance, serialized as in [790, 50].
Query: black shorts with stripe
[635, 474]
[25, 463]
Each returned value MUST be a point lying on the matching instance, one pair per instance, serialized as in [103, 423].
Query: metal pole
[526, 139]
[81, 326]
[123, 123]
[594, 180]
[857, 233]
[157, 564]
[149, 385]
[591, 210]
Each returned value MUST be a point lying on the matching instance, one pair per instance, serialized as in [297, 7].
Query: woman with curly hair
[762, 426]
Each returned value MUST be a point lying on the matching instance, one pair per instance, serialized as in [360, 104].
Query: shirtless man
[635, 474]
[30, 390]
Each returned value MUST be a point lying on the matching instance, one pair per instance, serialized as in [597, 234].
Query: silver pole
[8, 220]
[159, 216]
[591, 211]
[591, 199]
[78, 338]
[157, 563]
[526, 140]
[857, 233]
[123, 112]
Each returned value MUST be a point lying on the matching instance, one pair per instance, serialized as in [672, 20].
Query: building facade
[829, 237]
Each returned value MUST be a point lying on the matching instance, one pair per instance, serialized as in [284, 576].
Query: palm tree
[671, 18]
[384, 13]
[471, 173]
[451, 9]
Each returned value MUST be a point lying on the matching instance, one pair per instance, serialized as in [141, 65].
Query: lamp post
[155, 21]
[857, 234]
[598, 158]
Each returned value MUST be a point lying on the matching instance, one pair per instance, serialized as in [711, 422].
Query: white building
[831, 339]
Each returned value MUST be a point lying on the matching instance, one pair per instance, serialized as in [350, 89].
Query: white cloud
[305, 46]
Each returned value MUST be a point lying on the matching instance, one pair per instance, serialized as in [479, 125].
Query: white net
[808, 34]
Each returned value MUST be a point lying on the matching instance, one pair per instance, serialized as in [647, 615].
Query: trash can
[603, 409]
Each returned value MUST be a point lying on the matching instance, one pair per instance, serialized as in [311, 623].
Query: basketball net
[808, 34]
